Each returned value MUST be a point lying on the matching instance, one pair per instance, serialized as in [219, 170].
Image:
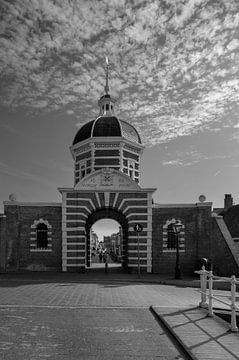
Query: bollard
[210, 286]
[106, 267]
[203, 282]
[234, 327]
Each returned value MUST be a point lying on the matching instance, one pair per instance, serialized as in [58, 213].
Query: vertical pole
[234, 327]
[177, 269]
[203, 283]
[210, 285]
[138, 257]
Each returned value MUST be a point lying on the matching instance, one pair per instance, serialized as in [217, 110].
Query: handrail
[208, 277]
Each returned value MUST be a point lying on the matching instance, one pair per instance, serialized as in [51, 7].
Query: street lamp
[177, 228]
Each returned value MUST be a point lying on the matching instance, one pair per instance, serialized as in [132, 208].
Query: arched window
[42, 241]
[171, 241]
[170, 238]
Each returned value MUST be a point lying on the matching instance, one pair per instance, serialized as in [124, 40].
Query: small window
[42, 236]
[82, 173]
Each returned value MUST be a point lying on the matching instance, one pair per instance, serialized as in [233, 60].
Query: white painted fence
[206, 278]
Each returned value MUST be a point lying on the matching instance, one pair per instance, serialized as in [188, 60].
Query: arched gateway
[107, 153]
[93, 198]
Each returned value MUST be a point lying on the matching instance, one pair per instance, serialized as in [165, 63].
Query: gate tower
[107, 153]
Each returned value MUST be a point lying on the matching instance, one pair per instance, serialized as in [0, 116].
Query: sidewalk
[201, 336]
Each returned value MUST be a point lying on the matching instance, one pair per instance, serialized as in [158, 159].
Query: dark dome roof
[107, 126]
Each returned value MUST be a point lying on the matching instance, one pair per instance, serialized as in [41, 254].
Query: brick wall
[2, 243]
[223, 262]
[197, 225]
[19, 219]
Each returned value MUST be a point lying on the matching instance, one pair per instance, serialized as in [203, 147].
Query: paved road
[89, 318]
[86, 316]
[95, 294]
[70, 334]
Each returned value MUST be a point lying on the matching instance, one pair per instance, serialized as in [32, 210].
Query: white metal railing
[207, 277]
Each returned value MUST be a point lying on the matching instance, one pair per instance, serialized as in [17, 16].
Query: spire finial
[107, 75]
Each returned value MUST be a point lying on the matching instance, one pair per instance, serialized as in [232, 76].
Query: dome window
[82, 171]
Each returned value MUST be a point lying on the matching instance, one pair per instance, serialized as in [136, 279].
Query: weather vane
[107, 75]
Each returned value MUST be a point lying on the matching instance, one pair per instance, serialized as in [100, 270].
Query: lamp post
[177, 228]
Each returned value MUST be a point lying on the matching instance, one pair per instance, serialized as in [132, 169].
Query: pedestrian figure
[100, 257]
[105, 261]
[105, 257]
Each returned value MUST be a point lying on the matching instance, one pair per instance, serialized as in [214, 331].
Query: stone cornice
[195, 205]
[20, 203]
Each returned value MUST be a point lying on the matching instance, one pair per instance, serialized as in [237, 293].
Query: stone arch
[108, 213]
[33, 239]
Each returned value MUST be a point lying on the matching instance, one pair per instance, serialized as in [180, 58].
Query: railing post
[210, 286]
[234, 327]
[203, 283]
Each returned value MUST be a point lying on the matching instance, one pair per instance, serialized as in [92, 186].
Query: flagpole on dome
[107, 76]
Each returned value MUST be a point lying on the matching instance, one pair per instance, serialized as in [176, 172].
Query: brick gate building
[107, 164]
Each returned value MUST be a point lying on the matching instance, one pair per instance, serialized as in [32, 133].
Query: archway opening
[106, 240]
[106, 243]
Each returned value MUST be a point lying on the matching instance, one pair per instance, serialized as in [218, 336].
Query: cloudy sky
[174, 69]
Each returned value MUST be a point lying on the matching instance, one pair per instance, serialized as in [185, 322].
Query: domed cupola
[107, 142]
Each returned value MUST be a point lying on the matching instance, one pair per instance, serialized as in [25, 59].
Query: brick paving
[76, 295]
[95, 294]
[204, 337]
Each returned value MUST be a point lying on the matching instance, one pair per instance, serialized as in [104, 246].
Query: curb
[176, 338]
